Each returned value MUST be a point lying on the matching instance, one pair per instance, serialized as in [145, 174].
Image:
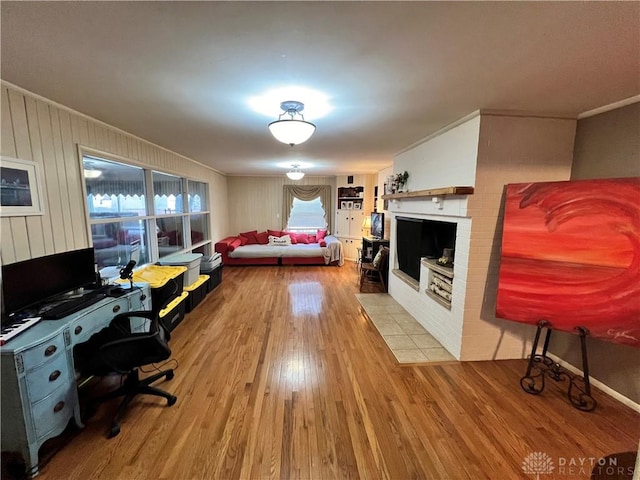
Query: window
[124, 226]
[198, 210]
[307, 216]
[167, 191]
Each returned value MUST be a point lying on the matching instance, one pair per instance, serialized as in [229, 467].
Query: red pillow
[301, 237]
[276, 233]
[292, 236]
[320, 234]
[243, 240]
[312, 239]
[233, 245]
[263, 238]
[250, 236]
[322, 243]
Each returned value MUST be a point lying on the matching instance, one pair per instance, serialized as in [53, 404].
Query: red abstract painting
[571, 256]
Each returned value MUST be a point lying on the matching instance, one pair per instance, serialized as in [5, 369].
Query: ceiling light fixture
[292, 131]
[295, 173]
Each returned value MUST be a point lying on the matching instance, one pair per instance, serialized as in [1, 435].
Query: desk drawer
[82, 328]
[52, 414]
[45, 379]
[43, 352]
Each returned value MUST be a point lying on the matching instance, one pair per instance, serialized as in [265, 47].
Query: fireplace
[417, 238]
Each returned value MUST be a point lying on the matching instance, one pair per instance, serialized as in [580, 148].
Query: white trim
[529, 114]
[611, 106]
[87, 117]
[597, 383]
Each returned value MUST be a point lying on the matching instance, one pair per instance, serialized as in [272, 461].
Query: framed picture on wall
[20, 188]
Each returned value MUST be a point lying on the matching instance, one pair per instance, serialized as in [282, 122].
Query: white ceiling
[180, 74]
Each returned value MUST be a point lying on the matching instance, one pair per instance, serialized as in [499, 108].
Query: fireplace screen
[419, 238]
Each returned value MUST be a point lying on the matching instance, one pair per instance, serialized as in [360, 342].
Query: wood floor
[281, 376]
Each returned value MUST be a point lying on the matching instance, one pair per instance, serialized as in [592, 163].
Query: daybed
[275, 247]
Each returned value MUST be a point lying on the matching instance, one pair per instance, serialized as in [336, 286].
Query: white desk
[39, 393]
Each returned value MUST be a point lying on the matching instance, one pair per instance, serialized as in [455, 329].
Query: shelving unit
[440, 286]
[350, 198]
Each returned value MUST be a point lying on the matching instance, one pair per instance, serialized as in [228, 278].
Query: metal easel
[541, 366]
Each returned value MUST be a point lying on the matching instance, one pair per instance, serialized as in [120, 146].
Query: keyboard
[7, 332]
[62, 308]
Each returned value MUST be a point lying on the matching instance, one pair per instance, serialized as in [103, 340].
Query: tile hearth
[406, 338]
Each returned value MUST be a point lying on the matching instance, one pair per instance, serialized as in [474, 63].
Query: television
[377, 224]
[27, 283]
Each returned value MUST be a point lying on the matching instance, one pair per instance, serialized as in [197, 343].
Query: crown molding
[611, 106]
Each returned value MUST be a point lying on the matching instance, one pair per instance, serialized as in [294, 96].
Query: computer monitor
[31, 281]
[377, 224]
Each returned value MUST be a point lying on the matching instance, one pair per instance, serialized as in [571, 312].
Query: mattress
[271, 251]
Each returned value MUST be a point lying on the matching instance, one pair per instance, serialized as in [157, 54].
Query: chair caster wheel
[169, 375]
[115, 430]
[171, 400]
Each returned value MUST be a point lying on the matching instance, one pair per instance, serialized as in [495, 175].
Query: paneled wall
[256, 202]
[49, 134]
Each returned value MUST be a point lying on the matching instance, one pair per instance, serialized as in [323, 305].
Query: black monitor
[31, 281]
[377, 224]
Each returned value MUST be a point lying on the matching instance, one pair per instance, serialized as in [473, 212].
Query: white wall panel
[49, 134]
[42, 232]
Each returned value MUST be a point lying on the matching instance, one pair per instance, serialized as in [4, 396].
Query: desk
[39, 393]
[370, 247]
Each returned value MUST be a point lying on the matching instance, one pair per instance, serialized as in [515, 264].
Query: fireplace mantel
[432, 192]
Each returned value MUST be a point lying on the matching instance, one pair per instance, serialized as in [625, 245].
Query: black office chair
[116, 350]
[376, 271]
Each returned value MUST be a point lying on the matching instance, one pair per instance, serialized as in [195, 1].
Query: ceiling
[180, 74]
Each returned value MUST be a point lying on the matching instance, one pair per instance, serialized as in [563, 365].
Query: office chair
[115, 350]
[376, 269]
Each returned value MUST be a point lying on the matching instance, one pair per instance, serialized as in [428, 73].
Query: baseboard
[597, 383]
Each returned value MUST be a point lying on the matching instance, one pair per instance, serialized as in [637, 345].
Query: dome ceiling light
[292, 131]
[295, 173]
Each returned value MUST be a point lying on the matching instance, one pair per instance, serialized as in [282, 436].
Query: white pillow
[279, 241]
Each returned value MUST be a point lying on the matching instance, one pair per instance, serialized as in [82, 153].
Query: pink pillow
[263, 238]
[250, 236]
[322, 243]
[301, 237]
[233, 245]
[320, 234]
[313, 239]
[294, 240]
[243, 240]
